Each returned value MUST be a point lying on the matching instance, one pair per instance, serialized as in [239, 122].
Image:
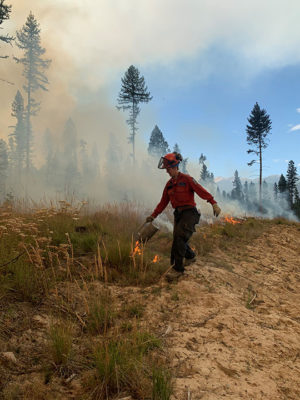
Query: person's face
[173, 172]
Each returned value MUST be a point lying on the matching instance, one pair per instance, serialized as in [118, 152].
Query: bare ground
[235, 329]
[231, 327]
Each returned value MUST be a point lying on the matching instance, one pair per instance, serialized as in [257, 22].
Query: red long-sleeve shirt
[180, 192]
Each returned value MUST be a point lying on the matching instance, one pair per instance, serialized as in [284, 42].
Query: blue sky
[210, 115]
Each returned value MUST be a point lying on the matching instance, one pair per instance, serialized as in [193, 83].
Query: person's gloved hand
[216, 209]
[150, 218]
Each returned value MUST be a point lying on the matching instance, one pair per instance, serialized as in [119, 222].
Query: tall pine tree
[5, 10]
[158, 146]
[28, 40]
[246, 191]
[237, 191]
[282, 184]
[133, 92]
[19, 132]
[291, 178]
[70, 148]
[3, 167]
[275, 191]
[257, 130]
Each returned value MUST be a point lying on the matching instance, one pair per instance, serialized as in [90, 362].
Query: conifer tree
[204, 174]
[291, 178]
[257, 131]
[275, 190]
[202, 159]
[70, 151]
[252, 192]
[237, 191]
[28, 40]
[19, 133]
[246, 191]
[133, 92]
[183, 164]
[3, 166]
[5, 10]
[49, 150]
[158, 146]
[176, 148]
[296, 206]
[282, 184]
[265, 190]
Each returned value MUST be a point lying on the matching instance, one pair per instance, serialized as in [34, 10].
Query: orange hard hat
[170, 160]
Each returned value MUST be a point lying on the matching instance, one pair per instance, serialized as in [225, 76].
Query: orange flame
[137, 250]
[231, 220]
[156, 259]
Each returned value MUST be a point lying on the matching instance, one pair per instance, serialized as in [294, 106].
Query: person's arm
[162, 204]
[201, 192]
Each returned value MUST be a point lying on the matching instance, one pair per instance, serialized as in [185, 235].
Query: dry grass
[61, 262]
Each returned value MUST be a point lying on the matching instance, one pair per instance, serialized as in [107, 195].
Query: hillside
[86, 326]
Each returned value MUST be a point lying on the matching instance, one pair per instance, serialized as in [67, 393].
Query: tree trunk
[28, 128]
[133, 131]
[260, 176]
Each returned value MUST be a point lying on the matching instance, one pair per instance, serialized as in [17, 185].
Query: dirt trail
[233, 323]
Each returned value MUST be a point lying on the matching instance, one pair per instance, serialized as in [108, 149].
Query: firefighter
[179, 190]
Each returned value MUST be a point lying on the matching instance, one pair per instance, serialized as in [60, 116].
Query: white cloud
[276, 160]
[298, 110]
[295, 128]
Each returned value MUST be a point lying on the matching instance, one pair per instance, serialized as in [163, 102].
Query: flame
[156, 258]
[231, 220]
[137, 250]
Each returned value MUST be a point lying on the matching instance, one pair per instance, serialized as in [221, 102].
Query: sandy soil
[233, 322]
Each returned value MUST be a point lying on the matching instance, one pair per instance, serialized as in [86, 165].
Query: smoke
[91, 44]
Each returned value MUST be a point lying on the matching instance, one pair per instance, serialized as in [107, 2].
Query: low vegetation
[57, 268]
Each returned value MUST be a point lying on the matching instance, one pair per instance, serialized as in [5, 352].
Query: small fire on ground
[138, 251]
[231, 220]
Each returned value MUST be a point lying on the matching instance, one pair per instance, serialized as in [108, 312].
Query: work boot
[189, 261]
[173, 275]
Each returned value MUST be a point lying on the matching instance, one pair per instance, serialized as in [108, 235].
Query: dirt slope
[231, 326]
[233, 323]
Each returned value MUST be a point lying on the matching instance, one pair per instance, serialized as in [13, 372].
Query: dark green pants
[184, 227]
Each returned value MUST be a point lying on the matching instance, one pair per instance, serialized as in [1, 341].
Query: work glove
[216, 209]
[150, 218]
